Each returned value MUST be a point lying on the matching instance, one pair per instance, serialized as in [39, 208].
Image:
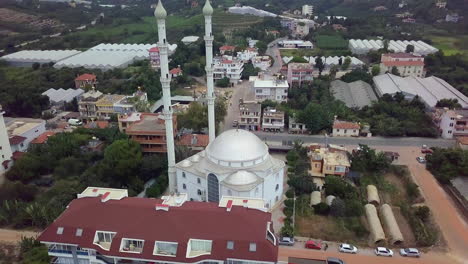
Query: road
[273, 52]
[239, 91]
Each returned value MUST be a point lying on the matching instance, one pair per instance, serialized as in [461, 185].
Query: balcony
[104, 239]
[162, 248]
[131, 245]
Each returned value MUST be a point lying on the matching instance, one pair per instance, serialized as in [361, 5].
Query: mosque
[236, 163]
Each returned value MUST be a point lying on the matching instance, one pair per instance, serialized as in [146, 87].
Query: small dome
[186, 163]
[195, 158]
[241, 177]
[160, 12]
[207, 9]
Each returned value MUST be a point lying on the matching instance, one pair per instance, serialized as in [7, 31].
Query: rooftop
[42, 138]
[250, 107]
[190, 39]
[15, 140]
[40, 55]
[18, 126]
[271, 84]
[226, 47]
[86, 77]
[401, 55]
[148, 123]
[110, 99]
[194, 140]
[299, 66]
[355, 94]
[345, 125]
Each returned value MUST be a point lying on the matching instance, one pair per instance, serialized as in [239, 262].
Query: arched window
[184, 186]
[213, 188]
[277, 187]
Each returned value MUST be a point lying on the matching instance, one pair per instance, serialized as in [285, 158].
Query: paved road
[240, 91]
[273, 52]
[373, 141]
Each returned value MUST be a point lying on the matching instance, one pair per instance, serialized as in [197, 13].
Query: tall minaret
[160, 14]
[5, 148]
[210, 96]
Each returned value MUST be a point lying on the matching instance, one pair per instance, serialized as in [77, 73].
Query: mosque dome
[237, 148]
[207, 9]
[241, 177]
[160, 12]
[186, 163]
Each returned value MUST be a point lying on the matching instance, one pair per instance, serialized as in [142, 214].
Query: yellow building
[327, 161]
[105, 105]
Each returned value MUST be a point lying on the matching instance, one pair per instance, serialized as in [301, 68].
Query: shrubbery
[447, 164]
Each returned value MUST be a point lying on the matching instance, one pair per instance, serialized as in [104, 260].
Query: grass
[451, 45]
[331, 42]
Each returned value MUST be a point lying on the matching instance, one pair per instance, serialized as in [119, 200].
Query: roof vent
[163, 207]
[59, 230]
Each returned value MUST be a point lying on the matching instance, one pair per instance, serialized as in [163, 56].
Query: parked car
[426, 151]
[382, 251]
[335, 261]
[347, 248]
[311, 244]
[410, 252]
[74, 122]
[287, 241]
[421, 159]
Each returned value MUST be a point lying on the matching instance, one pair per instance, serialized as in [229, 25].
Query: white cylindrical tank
[329, 199]
[391, 225]
[315, 198]
[376, 230]
[373, 195]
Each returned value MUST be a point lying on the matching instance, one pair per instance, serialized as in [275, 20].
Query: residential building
[302, 29]
[61, 96]
[355, 94]
[252, 42]
[26, 129]
[5, 149]
[176, 72]
[295, 44]
[272, 89]
[296, 127]
[155, 59]
[462, 142]
[237, 164]
[408, 64]
[450, 123]
[105, 105]
[86, 80]
[148, 129]
[429, 90]
[307, 10]
[272, 120]
[345, 129]
[227, 66]
[195, 142]
[299, 73]
[42, 138]
[187, 40]
[246, 55]
[452, 18]
[99, 227]
[261, 62]
[226, 48]
[250, 116]
[332, 160]
[441, 3]
[87, 104]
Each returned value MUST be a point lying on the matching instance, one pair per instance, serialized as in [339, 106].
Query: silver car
[410, 252]
[347, 248]
[287, 241]
[382, 251]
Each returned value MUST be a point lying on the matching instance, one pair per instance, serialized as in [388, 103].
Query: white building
[451, 123]
[275, 90]
[247, 54]
[407, 64]
[28, 128]
[272, 120]
[236, 163]
[296, 127]
[295, 44]
[227, 66]
[261, 62]
[345, 129]
[5, 149]
[307, 10]
[189, 39]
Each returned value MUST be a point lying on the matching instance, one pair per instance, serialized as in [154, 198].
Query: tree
[395, 71]
[409, 48]
[375, 70]
[298, 59]
[36, 66]
[333, 71]
[224, 82]
[340, 61]
[321, 208]
[357, 74]
[262, 47]
[196, 117]
[368, 160]
[249, 70]
[319, 65]
[338, 208]
[450, 103]
[422, 212]
[338, 187]
[346, 63]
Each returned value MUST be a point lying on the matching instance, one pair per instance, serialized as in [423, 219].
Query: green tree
[249, 70]
[224, 82]
[409, 48]
[346, 63]
[395, 71]
[338, 208]
[422, 212]
[319, 65]
[338, 187]
[121, 163]
[450, 103]
[375, 70]
[321, 208]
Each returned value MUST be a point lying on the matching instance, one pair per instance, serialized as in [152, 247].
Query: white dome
[186, 163]
[241, 177]
[195, 158]
[237, 148]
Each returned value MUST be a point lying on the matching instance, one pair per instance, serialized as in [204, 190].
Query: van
[74, 122]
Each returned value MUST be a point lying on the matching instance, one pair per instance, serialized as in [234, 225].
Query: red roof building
[225, 48]
[97, 124]
[15, 140]
[194, 141]
[105, 224]
[155, 58]
[85, 79]
[42, 139]
[407, 64]
[345, 129]
[175, 72]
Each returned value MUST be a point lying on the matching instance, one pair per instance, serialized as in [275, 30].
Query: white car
[421, 159]
[410, 252]
[347, 248]
[382, 251]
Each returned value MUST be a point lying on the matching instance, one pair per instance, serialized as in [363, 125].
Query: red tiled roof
[175, 71]
[154, 49]
[463, 140]
[17, 155]
[85, 77]
[137, 218]
[42, 138]
[97, 124]
[226, 61]
[226, 47]
[15, 140]
[345, 125]
[201, 140]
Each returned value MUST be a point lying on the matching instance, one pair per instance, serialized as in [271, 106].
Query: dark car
[335, 261]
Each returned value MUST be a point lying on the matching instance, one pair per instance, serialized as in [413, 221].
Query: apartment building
[451, 123]
[299, 73]
[228, 66]
[296, 127]
[84, 80]
[105, 105]
[273, 89]
[272, 120]
[104, 225]
[407, 64]
[148, 129]
[155, 60]
[332, 160]
[345, 129]
[87, 104]
[261, 62]
[307, 10]
[247, 55]
[250, 116]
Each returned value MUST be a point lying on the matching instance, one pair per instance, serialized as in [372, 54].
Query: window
[164, 248]
[198, 247]
[450, 131]
[354, 131]
[184, 186]
[79, 232]
[337, 130]
[103, 239]
[345, 130]
[199, 192]
[183, 175]
[198, 181]
[451, 124]
[277, 187]
[59, 230]
[229, 192]
[230, 245]
[253, 247]
[131, 245]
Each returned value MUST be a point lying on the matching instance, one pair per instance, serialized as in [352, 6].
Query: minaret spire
[5, 147]
[210, 96]
[161, 14]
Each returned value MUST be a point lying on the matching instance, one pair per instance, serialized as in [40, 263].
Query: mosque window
[277, 187]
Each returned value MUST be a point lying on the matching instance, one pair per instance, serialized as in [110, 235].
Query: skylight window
[198, 247]
[163, 248]
[59, 230]
[230, 245]
[79, 232]
[253, 247]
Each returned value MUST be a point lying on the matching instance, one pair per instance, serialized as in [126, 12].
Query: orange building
[148, 129]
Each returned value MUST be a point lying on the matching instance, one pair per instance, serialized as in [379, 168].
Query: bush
[338, 208]
[354, 207]
[290, 193]
[224, 82]
[287, 230]
[422, 212]
[322, 208]
[288, 211]
[289, 202]
[354, 224]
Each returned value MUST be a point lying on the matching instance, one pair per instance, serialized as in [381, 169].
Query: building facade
[236, 163]
[99, 227]
[451, 123]
[345, 129]
[272, 120]
[250, 116]
[247, 55]
[87, 104]
[28, 128]
[332, 160]
[155, 60]
[296, 127]
[84, 80]
[299, 73]
[307, 10]
[227, 66]
[105, 105]
[407, 64]
[148, 129]
[275, 90]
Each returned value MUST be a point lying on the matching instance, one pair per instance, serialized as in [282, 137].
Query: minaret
[160, 14]
[210, 96]
[5, 148]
